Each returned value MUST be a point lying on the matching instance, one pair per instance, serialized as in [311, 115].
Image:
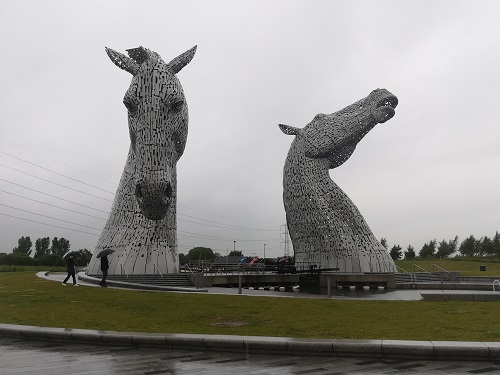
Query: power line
[218, 224]
[63, 175]
[57, 161]
[208, 237]
[25, 187]
[52, 196]
[59, 174]
[226, 217]
[50, 225]
[49, 217]
[226, 226]
[197, 235]
[55, 183]
[52, 205]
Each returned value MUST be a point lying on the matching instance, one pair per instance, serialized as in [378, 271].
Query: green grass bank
[29, 300]
[466, 266]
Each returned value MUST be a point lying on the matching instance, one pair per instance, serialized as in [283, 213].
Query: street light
[227, 257]
[265, 257]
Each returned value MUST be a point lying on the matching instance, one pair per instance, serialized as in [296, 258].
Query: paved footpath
[19, 356]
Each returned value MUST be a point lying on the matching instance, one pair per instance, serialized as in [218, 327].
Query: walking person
[70, 267]
[104, 269]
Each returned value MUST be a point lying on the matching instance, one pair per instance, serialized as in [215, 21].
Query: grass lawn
[29, 300]
[466, 267]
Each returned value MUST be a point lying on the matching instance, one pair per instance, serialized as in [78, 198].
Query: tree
[200, 253]
[236, 253]
[468, 247]
[42, 247]
[23, 246]
[59, 246]
[17, 259]
[396, 252]
[410, 253]
[485, 247]
[496, 244]
[447, 248]
[84, 257]
[428, 250]
[383, 241]
[50, 260]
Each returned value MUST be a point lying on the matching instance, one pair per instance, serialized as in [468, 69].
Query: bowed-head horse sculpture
[142, 226]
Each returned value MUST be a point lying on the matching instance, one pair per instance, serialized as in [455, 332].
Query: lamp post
[234, 252]
[265, 257]
[227, 256]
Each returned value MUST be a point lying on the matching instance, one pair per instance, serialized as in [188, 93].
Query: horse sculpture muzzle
[154, 197]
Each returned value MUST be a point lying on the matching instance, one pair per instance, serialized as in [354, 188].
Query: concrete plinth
[358, 280]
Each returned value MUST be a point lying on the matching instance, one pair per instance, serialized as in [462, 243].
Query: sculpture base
[347, 280]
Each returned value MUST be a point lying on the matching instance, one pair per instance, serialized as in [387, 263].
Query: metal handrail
[423, 269]
[494, 282]
[195, 277]
[155, 267]
[441, 268]
[122, 271]
[449, 273]
[399, 268]
[409, 273]
[190, 270]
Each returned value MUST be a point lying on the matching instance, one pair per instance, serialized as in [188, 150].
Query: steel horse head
[158, 125]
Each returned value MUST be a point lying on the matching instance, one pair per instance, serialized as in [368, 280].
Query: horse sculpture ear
[289, 130]
[182, 60]
[122, 61]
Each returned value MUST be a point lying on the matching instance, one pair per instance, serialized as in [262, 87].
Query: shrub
[50, 260]
[16, 259]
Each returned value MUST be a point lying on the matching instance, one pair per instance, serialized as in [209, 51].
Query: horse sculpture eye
[132, 108]
[177, 106]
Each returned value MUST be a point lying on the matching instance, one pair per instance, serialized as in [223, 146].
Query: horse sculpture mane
[326, 228]
[142, 226]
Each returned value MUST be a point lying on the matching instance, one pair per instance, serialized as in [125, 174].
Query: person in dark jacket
[104, 269]
[70, 266]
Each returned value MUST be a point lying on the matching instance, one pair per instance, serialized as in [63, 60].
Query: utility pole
[286, 239]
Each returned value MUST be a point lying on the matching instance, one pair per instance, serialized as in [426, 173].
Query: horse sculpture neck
[308, 182]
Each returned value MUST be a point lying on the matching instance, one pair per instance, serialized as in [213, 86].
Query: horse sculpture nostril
[138, 191]
[168, 191]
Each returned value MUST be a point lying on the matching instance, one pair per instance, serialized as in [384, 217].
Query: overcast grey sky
[430, 172]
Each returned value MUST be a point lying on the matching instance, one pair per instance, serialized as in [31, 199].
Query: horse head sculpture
[326, 228]
[158, 125]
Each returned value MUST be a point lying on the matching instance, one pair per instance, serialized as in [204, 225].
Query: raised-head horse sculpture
[141, 227]
[326, 228]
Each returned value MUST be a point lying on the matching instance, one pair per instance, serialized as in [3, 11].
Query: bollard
[329, 286]
[239, 284]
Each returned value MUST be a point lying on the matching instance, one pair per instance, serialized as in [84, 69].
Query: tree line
[470, 247]
[204, 253]
[47, 252]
